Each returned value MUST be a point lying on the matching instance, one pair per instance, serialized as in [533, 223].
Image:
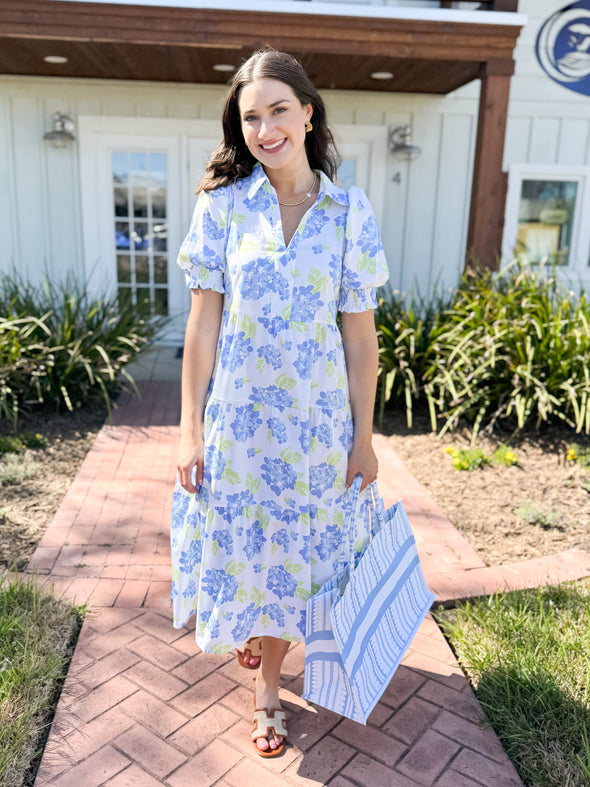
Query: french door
[138, 177]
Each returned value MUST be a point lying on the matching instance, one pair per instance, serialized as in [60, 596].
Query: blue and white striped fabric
[356, 639]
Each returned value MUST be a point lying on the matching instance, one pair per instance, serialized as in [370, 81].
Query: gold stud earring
[308, 126]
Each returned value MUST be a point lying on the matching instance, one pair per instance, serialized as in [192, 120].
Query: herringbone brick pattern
[143, 706]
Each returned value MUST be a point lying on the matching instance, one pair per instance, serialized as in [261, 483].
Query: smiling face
[273, 124]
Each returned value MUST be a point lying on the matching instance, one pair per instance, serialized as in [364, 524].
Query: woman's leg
[274, 651]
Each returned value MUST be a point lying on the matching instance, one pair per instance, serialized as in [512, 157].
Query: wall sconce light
[400, 144]
[61, 132]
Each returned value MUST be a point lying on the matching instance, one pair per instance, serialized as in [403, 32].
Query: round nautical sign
[563, 47]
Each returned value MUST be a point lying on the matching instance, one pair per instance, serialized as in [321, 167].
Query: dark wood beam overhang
[115, 41]
[181, 44]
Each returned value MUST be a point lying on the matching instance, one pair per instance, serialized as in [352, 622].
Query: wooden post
[488, 193]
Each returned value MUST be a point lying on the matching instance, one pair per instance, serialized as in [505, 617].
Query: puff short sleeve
[202, 254]
[364, 267]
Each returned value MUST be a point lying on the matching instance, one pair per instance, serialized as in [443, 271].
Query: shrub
[511, 347]
[61, 346]
[406, 333]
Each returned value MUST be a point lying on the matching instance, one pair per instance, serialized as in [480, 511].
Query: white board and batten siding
[56, 202]
[547, 137]
[56, 207]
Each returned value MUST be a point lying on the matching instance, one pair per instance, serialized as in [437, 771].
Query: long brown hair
[232, 160]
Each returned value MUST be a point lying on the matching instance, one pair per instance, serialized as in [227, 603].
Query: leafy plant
[14, 444]
[533, 515]
[504, 455]
[468, 458]
[406, 333]
[510, 347]
[580, 454]
[14, 469]
[61, 346]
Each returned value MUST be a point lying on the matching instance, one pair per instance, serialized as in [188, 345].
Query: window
[545, 209]
[545, 218]
[140, 227]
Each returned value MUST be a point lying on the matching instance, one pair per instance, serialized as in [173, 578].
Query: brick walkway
[143, 706]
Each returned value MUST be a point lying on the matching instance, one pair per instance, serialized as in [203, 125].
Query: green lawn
[37, 637]
[528, 656]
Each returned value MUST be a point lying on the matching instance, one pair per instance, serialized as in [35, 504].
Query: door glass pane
[140, 202]
[545, 219]
[142, 269]
[346, 175]
[123, 268]
[140, 223]
[120, 167]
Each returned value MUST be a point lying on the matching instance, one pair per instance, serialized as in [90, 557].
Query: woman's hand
[361, 460]
[190, 456]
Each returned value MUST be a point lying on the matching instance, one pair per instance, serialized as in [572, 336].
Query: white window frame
[577, 268]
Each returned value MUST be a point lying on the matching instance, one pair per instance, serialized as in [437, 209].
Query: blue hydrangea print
[272, 395]
[278, 475]
[260, 278]
[321, 478]
[214, 463]
[255, 538]
[305, 303]
[234, 352]
[271, 355]
[264, 529]
[224, 540]
[280, 582]
[277, 429]
[246, 422]
[281, 537]
[244, 622]
[190, 557]
[219, 585]
[323, 433]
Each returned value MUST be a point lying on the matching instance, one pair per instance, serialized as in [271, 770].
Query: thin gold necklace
[301, 201]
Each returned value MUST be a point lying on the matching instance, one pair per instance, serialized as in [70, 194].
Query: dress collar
[258, 178]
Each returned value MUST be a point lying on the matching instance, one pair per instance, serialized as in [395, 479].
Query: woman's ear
[308, 109]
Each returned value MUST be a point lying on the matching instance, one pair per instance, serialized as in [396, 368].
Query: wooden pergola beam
[297, 32]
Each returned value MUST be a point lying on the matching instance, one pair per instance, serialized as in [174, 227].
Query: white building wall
[425, 203]
[547, 123]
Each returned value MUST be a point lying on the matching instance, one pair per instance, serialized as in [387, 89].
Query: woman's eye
[280, 109]
[249, 118]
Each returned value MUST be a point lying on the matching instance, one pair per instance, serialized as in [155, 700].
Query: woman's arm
[200, 344]
[361, 350]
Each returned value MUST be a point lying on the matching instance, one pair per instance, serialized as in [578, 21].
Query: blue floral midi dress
[264, 531]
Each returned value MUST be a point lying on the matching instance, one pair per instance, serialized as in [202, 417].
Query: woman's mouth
[273, 147]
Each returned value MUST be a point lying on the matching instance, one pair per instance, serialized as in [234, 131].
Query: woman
[270, 387]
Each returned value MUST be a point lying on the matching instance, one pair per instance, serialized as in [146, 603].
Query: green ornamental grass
[526, 654]
[37, 638]
[511, 347]
[61, 346]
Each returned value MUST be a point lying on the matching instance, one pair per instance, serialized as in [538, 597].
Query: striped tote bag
[361, 622]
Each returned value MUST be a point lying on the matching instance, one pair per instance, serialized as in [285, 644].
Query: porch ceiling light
[382, 75]
[56, 59]
[401, 145]
[62, 131]
[224, 67]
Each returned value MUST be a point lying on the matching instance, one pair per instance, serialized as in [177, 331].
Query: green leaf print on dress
[265, 529]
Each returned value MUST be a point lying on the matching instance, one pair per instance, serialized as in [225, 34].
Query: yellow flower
[449, 450]
[571, 455]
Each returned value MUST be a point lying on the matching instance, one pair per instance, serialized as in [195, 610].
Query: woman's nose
[266, 128]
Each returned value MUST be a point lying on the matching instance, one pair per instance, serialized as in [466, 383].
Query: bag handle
[350, 506]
